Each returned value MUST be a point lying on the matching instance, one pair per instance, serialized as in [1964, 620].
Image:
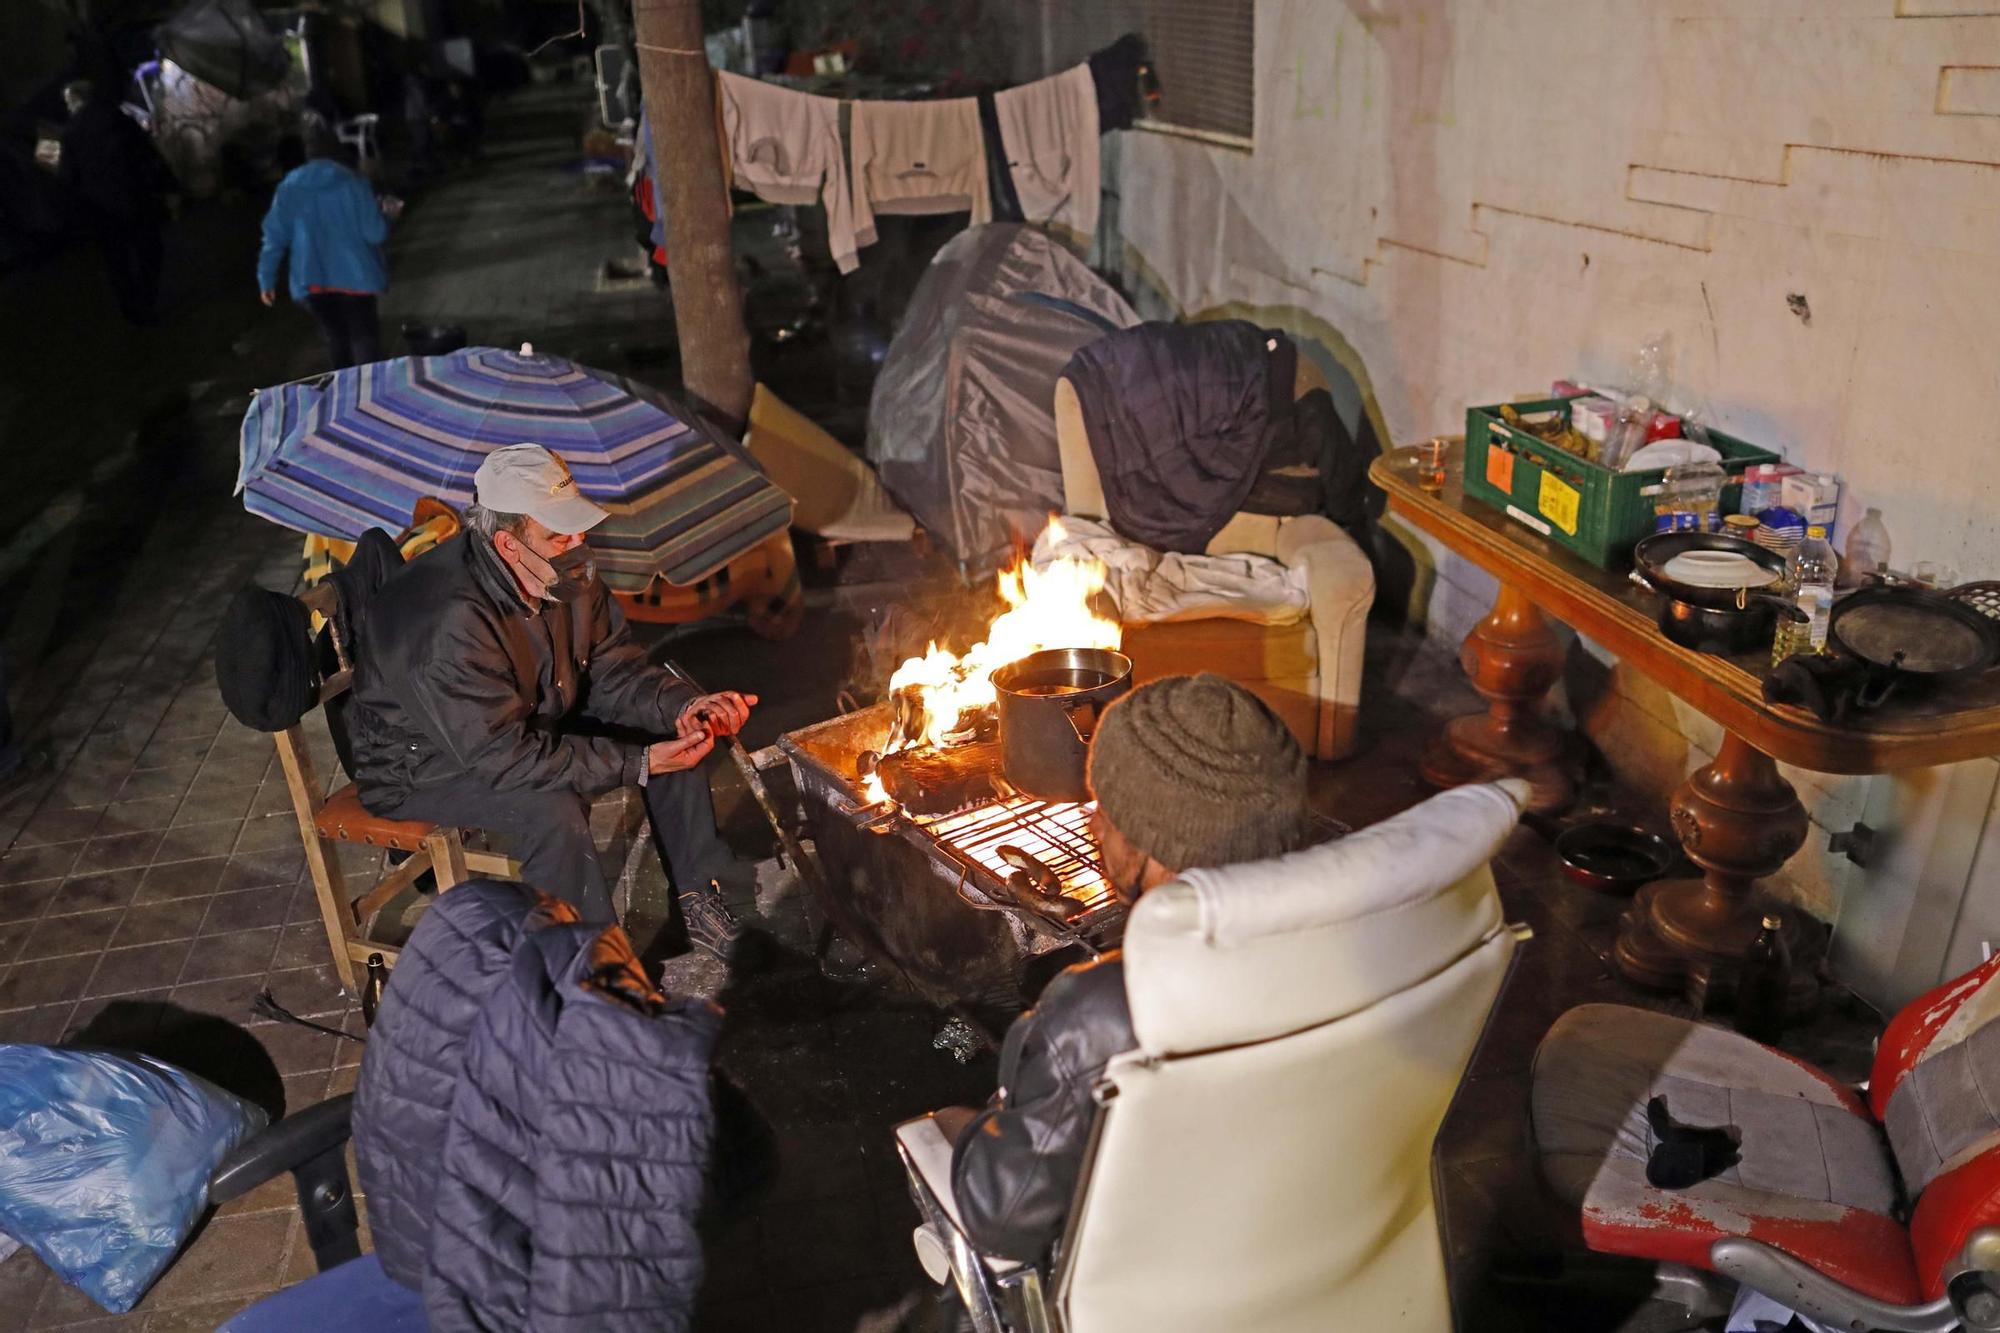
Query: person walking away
[327, 228]
[117, 184]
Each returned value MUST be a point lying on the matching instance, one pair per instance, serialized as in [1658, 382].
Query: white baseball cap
[528, 479]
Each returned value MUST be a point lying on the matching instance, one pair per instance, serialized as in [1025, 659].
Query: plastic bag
[105, 1159]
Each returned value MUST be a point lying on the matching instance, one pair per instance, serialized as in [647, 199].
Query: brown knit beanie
[1197, 771]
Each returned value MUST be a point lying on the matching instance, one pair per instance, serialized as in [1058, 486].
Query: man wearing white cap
[497, 687]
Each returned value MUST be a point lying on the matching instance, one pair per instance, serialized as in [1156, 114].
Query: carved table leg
[1512, 659]
[1739, 821]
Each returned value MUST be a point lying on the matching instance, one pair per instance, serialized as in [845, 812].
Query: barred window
[1203, 51]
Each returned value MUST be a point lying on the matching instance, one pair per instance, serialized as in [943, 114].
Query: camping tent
[961, 427]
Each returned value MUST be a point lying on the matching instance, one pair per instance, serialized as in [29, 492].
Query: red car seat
[1815, 1210]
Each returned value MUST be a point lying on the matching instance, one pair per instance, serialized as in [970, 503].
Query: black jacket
[112, 169]
[1014, 1169]
[455, 676]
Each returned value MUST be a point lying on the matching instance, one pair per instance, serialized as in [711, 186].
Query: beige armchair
[1308, 671]
[1261, 1163]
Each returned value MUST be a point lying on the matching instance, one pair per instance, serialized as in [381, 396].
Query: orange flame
[1046, 608]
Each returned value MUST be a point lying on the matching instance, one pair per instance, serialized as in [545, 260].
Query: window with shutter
[1203, 51]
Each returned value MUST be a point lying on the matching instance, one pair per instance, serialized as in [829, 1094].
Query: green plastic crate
[1578, 504]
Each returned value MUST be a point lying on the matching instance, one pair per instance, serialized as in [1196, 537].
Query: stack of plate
[1779, 530]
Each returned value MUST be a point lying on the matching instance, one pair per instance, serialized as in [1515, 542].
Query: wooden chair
[327, 821]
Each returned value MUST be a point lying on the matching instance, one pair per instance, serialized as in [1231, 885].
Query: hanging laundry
[784, 147]
[999, 181]
[918, 157]
[1049, 131]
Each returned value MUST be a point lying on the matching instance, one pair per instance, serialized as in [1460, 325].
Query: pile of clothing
[1024, 154]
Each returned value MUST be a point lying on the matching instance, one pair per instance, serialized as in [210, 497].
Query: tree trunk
[687, 154]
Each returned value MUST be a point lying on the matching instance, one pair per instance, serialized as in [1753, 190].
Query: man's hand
[677, 755]
[715, 714]
[268, 298]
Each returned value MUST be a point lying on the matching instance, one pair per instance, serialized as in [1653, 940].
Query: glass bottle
[371, 989]
[1867, 549]
[1763, 984]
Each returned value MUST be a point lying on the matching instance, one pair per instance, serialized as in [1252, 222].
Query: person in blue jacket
[326, 224]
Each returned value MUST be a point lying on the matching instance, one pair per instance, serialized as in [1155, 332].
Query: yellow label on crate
[1558, 502]
[1500, 470]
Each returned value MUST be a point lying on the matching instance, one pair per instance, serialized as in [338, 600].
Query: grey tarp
[961, 427]
[227, 43]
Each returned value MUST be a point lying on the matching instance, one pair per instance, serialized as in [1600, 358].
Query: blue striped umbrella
[358, 448]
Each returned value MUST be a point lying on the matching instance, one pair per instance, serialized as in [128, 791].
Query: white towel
[1049, 131]
[1152, 587]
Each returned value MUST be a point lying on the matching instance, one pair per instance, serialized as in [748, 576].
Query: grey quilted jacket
[533, 1122]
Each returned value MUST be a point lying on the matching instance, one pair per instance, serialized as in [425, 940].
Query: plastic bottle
[1760, 489]
[1627, 432]
[1690, 499]
[1811, 570]
[1867, 549]
[1762, 985]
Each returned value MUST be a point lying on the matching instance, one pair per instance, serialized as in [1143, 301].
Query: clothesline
[1027, 153]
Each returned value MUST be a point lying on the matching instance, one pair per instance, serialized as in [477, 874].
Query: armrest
[1799, 1286]
[285, 1146]
[1340, 588]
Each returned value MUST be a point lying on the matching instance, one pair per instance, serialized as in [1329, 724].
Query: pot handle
[1875, 691]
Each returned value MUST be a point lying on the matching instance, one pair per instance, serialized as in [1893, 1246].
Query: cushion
[1248, 952]
[344, 818]
[1814, 1179]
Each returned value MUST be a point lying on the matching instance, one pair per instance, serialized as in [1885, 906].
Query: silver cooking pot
[1049, 703]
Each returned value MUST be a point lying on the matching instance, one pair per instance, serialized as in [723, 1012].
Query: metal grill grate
[1056, 834]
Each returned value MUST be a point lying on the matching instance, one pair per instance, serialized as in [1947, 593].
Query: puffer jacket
[1014, 1169]
[533, 1123]
[456, 676]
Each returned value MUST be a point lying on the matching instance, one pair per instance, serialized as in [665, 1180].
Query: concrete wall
[1482, 195]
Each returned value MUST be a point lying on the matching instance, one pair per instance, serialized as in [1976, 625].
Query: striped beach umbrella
[358, 448]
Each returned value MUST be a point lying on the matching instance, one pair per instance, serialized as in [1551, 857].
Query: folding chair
[327, 821]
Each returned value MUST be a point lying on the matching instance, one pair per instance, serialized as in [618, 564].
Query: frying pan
[1911, 634]
[1707, 619]
[1606, 855]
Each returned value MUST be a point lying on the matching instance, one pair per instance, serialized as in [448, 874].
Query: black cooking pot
[1910, 636]
[1049, 703]
[1724, 621]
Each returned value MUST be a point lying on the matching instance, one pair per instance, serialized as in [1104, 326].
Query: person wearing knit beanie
[1193, 771]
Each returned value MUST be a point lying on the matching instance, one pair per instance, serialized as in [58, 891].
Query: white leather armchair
[1309, 672]
[1261, 1163]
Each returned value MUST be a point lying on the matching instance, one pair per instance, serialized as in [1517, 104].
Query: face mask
[549, 580]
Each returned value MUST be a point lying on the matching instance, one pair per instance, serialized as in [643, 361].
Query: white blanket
[1151, 587]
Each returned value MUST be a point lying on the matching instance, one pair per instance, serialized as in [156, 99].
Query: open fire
[943, 698]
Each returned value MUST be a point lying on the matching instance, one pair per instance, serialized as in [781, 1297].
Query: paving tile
[139, 816]
[64, 1306]
[43, 1025]
[273, 798]
[158, 782]
[263, 833]
[22, 1277]
[11, 936]
[256, 869]
[345, 1079]
[189, 842]
[227, 772]
[82, 932]
[157, 923]
[305, 905]
[230, 1256]
[235, 954]
[25, 902]
[297, 1050]
[46, 981]
[119, 1021]
[311, 992]
[147, 967]
[181, 879]
[247, 909]
[203, 1318]
[303, 1090]
[303, 944]
[31, 863]
[170, 751]
[228, 999]
[119, 851]
[51, 825]
[216, 803]
[92, 893]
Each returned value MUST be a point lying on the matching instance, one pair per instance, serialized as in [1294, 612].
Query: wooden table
[1736, 818]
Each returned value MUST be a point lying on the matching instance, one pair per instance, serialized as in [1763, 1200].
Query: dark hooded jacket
[533, 1123]
[456, 676]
